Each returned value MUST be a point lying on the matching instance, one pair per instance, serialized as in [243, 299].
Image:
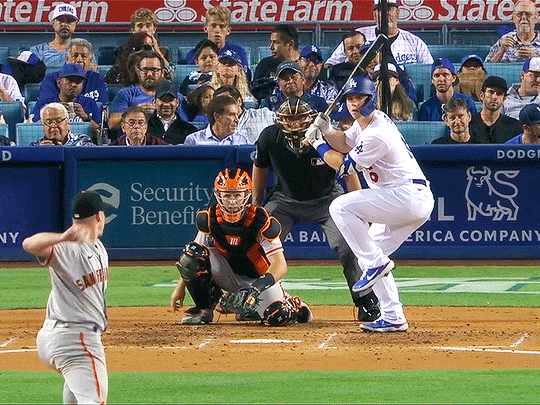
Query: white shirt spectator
[252, 122]
[406, 48]
[206, 137]
[9, 85]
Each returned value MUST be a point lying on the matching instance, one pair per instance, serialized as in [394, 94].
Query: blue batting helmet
[363, 85]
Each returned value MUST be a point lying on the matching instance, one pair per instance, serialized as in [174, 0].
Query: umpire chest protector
[237, 241]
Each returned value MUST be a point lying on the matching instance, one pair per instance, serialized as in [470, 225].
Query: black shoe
[197, 316]
[368, 308]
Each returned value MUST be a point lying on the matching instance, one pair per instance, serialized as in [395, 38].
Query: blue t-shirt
[133, 95]
[431, 110]
[516, 140]
[88, 105]
[94, 86]
[53, 59]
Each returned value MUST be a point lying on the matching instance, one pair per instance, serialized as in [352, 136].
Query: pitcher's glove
[242, 300]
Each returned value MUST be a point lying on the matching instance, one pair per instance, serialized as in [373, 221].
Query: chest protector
[237, 242]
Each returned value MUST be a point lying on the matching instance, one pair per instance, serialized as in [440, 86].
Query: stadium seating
[106, 55]
[103, 69]
[511, 72]
[30, 132]
[199, 125]
[182, 52]
[13, 114]
[420, 74]
[181, 71]
[31, 92]
[456, 52]
[421, 132]
[4, 53]
[4, 130]
[113, 90]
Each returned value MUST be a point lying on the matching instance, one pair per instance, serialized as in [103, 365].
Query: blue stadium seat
[181, 71]
[4, 53]
[103, 69]
[199, 125]
[264, 52]
[30, 132]
[182, 52]
[31, 92]
[113, 90]
[420, 74]
[106, 55]
[4, 130]
[511, 72]
[421, 132]
[456, 52]
[13, 114]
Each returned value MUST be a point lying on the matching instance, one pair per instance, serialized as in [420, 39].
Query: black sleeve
[272, 229]
[202, 221]
[262, 157]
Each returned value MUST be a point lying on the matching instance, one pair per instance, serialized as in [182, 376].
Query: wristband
[264, 282]
[322, 149]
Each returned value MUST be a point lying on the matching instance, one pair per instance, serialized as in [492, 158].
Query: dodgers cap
[530, 114]
[70, 70]
[311, 50]
[288, 64]
[442, 63]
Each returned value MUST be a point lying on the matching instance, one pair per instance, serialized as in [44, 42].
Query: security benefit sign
[153, 203]
[486, 210]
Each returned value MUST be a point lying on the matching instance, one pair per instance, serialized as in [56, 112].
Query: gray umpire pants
[289, 212]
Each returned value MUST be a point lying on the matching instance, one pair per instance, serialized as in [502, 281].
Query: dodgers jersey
[382, 153]
[407, 48]
[79, 274]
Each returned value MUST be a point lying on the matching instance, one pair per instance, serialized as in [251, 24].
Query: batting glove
[313, 137]
[347, 167]
[323, 123]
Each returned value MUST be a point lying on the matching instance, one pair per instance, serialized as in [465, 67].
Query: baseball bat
[360, 66]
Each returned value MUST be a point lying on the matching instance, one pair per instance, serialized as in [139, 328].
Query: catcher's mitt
[244, 299]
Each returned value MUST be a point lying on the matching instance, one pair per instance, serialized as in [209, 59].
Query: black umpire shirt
[300, 176]
[502, 130]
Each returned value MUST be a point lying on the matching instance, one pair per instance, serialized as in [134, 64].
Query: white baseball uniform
[70, 340]
[230, 281]
[407, 48]
[398, 202]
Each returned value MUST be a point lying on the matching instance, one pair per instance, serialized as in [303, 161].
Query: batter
[377, 220]
[70, 340]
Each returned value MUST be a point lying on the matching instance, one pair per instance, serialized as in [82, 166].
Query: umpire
[304, 188]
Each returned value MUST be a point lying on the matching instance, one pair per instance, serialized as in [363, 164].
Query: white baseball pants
[395, 212]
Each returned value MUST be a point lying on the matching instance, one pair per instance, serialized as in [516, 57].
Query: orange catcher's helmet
[232, 189]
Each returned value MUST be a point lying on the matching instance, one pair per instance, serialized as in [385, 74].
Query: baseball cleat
[197, 316]
[382, 326]
[371, 276]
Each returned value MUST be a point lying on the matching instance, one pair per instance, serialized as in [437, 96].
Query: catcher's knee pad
[194, 262]
[280, 313]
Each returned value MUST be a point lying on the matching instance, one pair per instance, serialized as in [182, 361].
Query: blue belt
[420, 181]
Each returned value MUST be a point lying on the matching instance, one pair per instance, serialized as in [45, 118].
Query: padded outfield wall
[486, 206]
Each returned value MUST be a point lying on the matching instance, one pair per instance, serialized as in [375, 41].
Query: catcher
[237, 250]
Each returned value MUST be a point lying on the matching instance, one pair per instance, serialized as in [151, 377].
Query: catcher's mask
[232, 189]
[294, 116]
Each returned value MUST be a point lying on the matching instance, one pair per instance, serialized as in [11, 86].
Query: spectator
[457, 117]
[223, 113]
[149, 70]
[144, 20]
[121, 71]
[471, 75]
[291, 83]
[525, 92]
[490, 125]
[230, 72]
[406, 48]
[9, 89]
[529, 118]
[218, 28]
[56, 128]
[403, 108]
[355, 48]
[165, 122]
[311, 62]
[443, 77]
[283, 46]
[252, 121]
[70, 81]
[79, 51]
[198, 101]
[523, 42]
[206, 59]
[64, 21]
[134, 123]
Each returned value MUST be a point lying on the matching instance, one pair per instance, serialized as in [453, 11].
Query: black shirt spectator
[502, 130]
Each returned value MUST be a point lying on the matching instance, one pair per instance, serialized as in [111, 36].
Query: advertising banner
[174, 12]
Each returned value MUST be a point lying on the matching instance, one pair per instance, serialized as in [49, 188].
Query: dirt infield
[152, 339]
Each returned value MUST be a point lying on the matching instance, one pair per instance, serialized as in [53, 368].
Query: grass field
[447, 286]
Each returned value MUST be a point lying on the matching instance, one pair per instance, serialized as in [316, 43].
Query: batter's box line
[485, 350]
[324, 344]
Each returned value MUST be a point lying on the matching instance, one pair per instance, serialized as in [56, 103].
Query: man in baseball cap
[526, 91]
[87, 204]
[64, 21]
[490, 125]
[443, 78]
[311, 62]
[471, 75]
[529, 118]
[165, 122]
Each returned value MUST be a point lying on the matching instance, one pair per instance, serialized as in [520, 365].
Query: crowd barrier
[486, 200]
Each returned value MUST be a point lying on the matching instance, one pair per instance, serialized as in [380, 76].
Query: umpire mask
[294, 116]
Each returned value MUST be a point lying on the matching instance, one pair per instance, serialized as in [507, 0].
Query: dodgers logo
[111, 197]
[491, 197]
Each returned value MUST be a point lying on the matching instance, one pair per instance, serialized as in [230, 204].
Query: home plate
[263, 341]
